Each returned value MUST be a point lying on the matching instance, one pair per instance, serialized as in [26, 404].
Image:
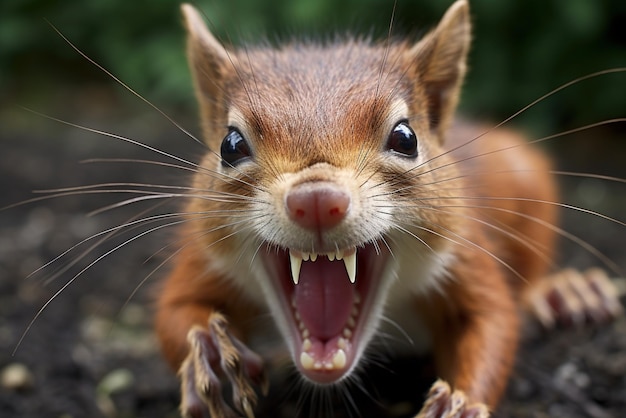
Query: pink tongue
[324, 297]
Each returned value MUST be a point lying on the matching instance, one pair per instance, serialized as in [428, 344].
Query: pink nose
[317, 205]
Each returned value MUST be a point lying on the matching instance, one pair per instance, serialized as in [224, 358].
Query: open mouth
[327, 298]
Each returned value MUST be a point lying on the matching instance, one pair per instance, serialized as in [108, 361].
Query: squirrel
[346, 199]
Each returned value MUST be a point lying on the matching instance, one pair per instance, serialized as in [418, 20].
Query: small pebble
[16, 376]
[116, 381]
[569, 372]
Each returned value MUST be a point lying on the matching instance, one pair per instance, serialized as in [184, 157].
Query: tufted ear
[210, 62]
[440, 60]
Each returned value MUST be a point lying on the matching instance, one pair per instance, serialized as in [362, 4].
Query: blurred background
[91, 351]
[522, 49]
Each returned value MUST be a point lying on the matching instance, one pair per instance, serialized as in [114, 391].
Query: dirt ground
[91, 351]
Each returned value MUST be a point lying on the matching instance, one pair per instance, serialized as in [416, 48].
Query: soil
[88, 349]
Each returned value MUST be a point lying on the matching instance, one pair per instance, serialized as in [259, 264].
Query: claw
[214, 353]
[442, 402]
[192, 405]
[573, 297]
[606, 289]
[247, 408]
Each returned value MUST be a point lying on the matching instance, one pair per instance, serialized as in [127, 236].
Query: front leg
[205, 348]
[214, 352]
[474, 325]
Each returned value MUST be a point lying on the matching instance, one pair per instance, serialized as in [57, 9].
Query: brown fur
[299, 98]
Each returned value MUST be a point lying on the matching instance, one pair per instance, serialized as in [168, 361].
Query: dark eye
[402, 140]
[234, 149]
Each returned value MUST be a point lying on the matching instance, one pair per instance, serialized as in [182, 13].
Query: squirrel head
[361, 80]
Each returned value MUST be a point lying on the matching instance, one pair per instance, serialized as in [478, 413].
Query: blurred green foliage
[522, 49]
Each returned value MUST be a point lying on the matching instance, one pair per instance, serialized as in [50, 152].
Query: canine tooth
[351, 322]
[350, 262]
[313, 256]
[306, 344]
[306, 360]
[339, 359]
[296, 263]
[342, 343]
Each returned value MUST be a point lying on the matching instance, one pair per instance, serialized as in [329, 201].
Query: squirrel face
[327, 151]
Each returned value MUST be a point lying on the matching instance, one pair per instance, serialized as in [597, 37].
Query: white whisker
[126, 86]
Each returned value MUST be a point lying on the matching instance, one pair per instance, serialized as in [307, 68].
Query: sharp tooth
[313, 256]
[307, 344]
[339, 359]
[305, 256]
[306, 361]
[296, 263]
[342, 343]
[339, 255]
[331, 256]
[350, 262]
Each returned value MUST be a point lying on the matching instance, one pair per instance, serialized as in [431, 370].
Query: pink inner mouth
[326, 312]
[324, 297]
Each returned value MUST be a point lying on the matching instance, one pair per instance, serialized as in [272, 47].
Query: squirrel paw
[571, 297]
[215, 354]
[442, 402]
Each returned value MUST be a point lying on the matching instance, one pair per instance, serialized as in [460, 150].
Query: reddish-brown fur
[473, 317]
